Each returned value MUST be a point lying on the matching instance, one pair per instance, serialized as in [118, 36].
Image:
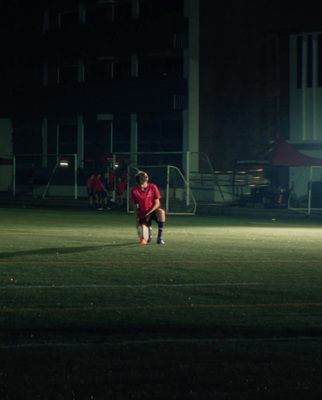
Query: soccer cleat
[142, 241]
[160, 241]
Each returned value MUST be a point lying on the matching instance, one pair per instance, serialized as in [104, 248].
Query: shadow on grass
[162, 333]
[63, 250]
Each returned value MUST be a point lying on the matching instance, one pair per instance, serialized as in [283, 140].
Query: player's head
[141, 177]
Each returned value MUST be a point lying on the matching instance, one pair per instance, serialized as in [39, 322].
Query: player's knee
[161, 215]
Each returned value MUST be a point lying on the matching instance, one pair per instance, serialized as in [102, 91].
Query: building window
[98, 138]
[320, 60]
[161, 67]
[160, 133]
[299, 63]
[123, 11]
[180, 40]
[121, 134]
[68, 75]
[68, 19]
[45, 75]
[101, 71]
[309, 61]
[161, 8]
[67, 139]
[100, 15]
[106, 69]
[122, 68]
[45, 26]
[274, 51]
[179, 102]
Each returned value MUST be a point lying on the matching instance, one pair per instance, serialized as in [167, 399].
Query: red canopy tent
[283, 154]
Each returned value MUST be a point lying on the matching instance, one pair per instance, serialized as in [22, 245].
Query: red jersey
[91, 184]
[120, 186]
[145, 199]
[98, 184]
[111, 179]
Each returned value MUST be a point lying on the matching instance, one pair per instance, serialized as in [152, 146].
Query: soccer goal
[177, 197]
[308, 186]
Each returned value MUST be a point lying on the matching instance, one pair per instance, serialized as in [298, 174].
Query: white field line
[154, 285]
[93, 308]
[164, 262]
[135, 342]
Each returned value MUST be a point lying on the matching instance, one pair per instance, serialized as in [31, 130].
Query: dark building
[243, 79]
[139, 76]
[95, 77]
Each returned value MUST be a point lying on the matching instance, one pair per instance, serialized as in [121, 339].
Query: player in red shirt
[147, 207]
[98, 189]
[120, 186]
[91, 189]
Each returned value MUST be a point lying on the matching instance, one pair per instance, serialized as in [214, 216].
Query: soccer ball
[143, 232]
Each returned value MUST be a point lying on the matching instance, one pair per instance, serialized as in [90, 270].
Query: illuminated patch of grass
[228, 306]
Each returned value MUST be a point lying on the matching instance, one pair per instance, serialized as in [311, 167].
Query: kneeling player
[146, 199]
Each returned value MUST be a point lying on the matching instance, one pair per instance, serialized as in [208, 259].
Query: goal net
[177, 197]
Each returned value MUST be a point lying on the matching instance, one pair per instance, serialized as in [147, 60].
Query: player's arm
[156, 205]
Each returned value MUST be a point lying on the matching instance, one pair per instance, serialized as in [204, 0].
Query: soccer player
[146, 199]
[98, 188]
[105, 187]
[91, 189]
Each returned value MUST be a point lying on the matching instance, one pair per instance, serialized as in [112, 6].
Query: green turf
[228, 308]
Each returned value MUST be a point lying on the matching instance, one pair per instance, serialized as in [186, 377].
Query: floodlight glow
[64, 163]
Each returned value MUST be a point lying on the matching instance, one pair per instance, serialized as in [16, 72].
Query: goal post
[45, 174]
[177, 198]
[308, 186]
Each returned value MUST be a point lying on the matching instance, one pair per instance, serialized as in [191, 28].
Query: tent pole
[234, 178]
[309, 197]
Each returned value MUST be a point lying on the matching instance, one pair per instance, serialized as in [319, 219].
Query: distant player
[91, 189]
[120, 187]
[146, 199]
[98, 188]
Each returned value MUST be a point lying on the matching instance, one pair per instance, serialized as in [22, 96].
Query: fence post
[168, 189]
[309, 197]
[188, 177]
[14, 176]
[75, 170]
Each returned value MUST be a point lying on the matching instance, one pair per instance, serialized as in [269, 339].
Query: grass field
[228, 308]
